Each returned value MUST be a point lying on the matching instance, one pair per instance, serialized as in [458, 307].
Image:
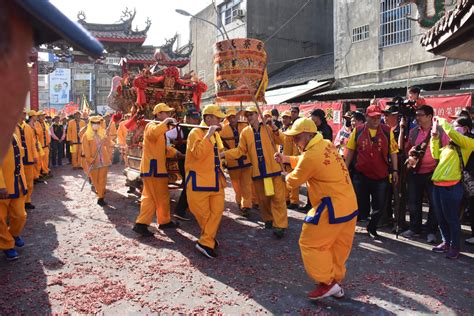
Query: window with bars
[395, 28]
[360, 33]
[228, 10]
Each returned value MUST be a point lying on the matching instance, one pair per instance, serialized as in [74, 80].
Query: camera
[404, 107]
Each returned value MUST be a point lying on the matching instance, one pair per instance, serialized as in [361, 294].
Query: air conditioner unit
[238, 14]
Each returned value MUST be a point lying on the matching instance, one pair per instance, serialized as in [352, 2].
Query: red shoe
[325, 290]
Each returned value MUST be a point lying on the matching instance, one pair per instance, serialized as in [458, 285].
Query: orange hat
[302, 125]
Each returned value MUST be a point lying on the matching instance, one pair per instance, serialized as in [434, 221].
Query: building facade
[303, 35]
[377, 50]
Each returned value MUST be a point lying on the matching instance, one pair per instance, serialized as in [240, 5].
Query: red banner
[444, 106]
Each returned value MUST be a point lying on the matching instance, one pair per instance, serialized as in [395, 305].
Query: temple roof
[453, 35]
[140, 58]
[116, 32]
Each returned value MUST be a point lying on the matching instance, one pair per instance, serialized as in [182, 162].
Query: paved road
[80, 258]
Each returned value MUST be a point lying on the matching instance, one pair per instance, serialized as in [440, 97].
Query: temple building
[70, 76]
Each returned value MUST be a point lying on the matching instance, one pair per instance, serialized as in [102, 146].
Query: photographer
[420, 167]
[414, 95]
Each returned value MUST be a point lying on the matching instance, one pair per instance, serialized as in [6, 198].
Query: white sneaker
[470, 241]
[339, 294]
[431, 238]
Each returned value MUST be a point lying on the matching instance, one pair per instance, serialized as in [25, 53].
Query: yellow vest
[12, 174]
[328, 180]
[42, 132]
[27, 137]
[257, 147]
[122, 134]
[155, 151]
[72, 134]
[230, 138]
[203, 165]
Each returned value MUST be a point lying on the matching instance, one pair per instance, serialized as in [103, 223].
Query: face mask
[459, 129]
[95, 127]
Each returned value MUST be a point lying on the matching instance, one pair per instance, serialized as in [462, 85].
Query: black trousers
[418, 184]
[365, 189]
[57, 152]
[183, 199]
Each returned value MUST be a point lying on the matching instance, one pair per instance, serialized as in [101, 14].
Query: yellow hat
[267, 112]
[286, 113]
[32, 113]
[214, 110]
[95, 119]
[40, 113]
[231, 111]
[302, 125]
[108, 113]
[251, 108]
[162, 107]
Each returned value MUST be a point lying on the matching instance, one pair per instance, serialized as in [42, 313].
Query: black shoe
[142, 229]
[293, 206]
[278, 232]
[206, 251]
[245, 212]
[36, 181]
[305, 208]
[101, 202]
[268, 224]
[131, 190]
[170, 225]
[182, 216]
[216, 243]
[372, 233]
[29, 206]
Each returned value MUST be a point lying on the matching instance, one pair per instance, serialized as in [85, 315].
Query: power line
[289, 20]
[298, 59]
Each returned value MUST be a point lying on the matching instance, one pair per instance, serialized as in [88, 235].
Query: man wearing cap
[96, 147]
[26, 23]
[13, 189]
[155, 194]
[178, 136]
[266, 172]
[374, 148]
[27, 137]
[289, 149]
[58, 135]
[74, 138]
[109, 126]
[32, 119]
[239, 169]
[329, 227]
[44, 139]
[205, 180]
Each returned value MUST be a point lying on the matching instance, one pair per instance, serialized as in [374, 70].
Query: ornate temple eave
[453, 35]
[105, 40]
